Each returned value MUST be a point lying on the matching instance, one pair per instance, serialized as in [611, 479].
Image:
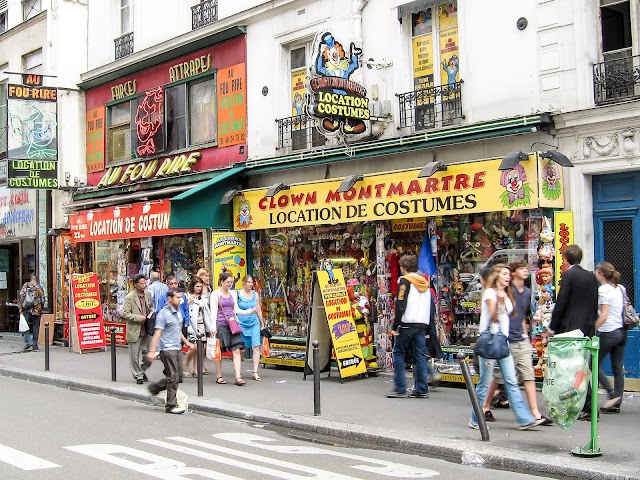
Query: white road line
[317, 473]
[380, 467]
[23, 460]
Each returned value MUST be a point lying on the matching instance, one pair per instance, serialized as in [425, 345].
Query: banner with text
[229, 255]
[232, 105]
[563, 228]
[87, 310]
[462, 188]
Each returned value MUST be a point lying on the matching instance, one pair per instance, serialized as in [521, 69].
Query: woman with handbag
[613, 335]
[251, 324]
[200, 323]
[497, 304]
[224, 306]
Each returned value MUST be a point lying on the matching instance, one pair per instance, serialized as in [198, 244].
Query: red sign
[121, 332]
[88, 311]
[146, 219]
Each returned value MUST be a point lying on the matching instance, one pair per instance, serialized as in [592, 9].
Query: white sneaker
[177, 410]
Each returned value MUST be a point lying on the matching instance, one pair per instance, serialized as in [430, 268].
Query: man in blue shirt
[172, 283]
[157, 289]
[167, 340]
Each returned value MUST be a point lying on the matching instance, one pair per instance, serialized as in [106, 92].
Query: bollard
[316, 377]
[46, 346]
[477, 408]
[113, 354]
[199, 364]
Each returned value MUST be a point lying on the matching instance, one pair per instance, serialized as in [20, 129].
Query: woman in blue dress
[251, 324]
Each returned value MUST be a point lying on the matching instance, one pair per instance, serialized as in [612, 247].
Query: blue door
[616, 225]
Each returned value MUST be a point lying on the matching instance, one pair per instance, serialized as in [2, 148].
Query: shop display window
[111, 266]
[181, 255]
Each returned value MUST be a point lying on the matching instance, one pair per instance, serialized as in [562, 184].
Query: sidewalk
[356, 410]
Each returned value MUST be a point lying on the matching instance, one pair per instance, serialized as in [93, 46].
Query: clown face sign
[340, 103]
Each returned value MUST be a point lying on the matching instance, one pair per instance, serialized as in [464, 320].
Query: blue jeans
[416, 338]
[31, 337]
[518, 405]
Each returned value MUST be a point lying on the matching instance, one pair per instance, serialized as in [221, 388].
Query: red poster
[121, 332]
[88, 312]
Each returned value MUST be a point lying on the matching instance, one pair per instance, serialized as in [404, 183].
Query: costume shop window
[119, 132]
[176, 117]
[203, 118]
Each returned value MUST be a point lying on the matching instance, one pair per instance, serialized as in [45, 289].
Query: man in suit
[138, 305]
[576, 305]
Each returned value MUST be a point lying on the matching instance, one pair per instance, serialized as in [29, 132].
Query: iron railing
[431, 107]
[124, 45]
[204, 13]
[616, 80]
[299, 133]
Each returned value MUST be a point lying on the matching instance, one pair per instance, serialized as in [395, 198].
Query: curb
[453, 450]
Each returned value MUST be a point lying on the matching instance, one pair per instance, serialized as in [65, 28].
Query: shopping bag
[265, 347]
[213, 349]
[566, 380]
[23, 326]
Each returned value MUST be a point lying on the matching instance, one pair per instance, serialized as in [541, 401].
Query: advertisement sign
[232, 105]
[344, 336]
[423, 61]
[298, 92]
[121, 332]
[409, 225]
[95, 139]
[229, 255]
[85, 296]
[17, 213]
[563, 228]
[449, 54]
[462, 188]
[551, 192]
[137, 220]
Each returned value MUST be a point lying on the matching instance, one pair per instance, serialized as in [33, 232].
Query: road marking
[154, 465]
[315, 472]
[383, 467]
[23, 460]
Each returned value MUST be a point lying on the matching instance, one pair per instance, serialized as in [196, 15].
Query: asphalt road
[53, 433]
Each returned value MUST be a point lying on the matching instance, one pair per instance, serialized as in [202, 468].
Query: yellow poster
[563, 228]
[409, 225]
[341, 325]
[449, 56]
[551, 192]
[463, 188]
[448, 15]
[298, 92]
[423, 61]
[229, 255]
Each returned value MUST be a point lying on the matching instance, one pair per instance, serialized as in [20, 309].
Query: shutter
[3, 5]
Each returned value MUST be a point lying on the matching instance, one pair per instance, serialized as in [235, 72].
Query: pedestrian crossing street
[226, 456]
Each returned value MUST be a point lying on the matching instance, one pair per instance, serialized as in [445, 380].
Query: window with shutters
[31, 8]
[119, 133]
[4, 15]
[32, 62]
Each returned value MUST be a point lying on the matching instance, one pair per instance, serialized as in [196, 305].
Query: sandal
[240, 382]
[221, 381]
[256, 377]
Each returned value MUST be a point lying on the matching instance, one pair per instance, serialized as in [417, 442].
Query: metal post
[591, 449]
[477, 408]
[46, 346]
[113, 354]
[316, 377]
[199, 364]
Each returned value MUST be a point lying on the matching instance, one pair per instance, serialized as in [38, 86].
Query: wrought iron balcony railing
[616, 80]
[204, 13]
[299, 133]
[124, 45]
[431, 107]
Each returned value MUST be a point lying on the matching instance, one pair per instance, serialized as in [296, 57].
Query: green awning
[200, 206]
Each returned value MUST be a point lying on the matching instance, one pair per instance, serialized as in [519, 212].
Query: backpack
[29, 298]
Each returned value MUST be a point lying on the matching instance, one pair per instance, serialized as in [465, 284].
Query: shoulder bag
[630, 317]
[232, 321]
[492, 345]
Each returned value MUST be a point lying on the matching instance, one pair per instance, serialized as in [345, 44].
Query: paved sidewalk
[356, 410]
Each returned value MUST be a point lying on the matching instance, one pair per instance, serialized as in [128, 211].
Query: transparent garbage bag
[183, 399]
[566, 380]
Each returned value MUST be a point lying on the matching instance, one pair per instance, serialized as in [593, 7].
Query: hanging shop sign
[232, 105]
[340, 103]
[148, 170]
[462, 188]
[564, 236]
[145, 219]
[551, 191]
[344, 336]
[17, 213]
[95, 139]
[32, 147]
[230, 255]
[85, 297]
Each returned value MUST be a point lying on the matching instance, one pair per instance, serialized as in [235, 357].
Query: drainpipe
[358, 6]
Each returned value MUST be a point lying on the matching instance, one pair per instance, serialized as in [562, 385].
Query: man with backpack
[30, 302]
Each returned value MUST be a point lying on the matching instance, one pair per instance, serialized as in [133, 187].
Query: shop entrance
[17, 264]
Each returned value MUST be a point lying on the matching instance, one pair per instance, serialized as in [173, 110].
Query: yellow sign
[230, 255]
[409, 225]
[178, 165]
[298, 91]
[463, 188]
[343, 329]
[87, 303]
[423, 61]
[551, 192]
[449, 54]
[563, 228]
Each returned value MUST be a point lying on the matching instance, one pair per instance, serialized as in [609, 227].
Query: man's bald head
[155, 277]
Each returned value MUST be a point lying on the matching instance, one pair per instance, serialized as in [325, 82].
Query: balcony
[299, 133]
[124, 45]
[204, 13]
[432, 107]
[616, 80]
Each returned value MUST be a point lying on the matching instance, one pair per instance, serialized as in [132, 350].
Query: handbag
[492, 345]
[23, 326]
[265, 333]
[213, 351]
[234, 326]
[630, 317]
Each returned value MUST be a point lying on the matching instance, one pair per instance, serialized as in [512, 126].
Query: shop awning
[200, 207]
